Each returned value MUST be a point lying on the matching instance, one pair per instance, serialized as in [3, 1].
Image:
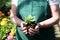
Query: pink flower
[10, 37]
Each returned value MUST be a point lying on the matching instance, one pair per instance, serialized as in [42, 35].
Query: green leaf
[29, 19]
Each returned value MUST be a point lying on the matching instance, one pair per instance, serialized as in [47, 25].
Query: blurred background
[57, 27]
[8, 28]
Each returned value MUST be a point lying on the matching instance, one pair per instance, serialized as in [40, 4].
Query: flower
[8, 13]
[0, 13]
[12, 33]
[10, 37]
[4, 21]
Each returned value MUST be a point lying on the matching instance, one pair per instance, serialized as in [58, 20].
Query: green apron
[41, 10]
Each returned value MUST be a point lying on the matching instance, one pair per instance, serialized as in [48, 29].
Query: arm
[13, 16]
[54, 19]
[49, 22]
[17, 20]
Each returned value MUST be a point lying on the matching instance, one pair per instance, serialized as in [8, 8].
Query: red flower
[8, 13]
[0, 13]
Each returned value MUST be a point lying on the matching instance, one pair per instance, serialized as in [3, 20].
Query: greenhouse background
[8, 28]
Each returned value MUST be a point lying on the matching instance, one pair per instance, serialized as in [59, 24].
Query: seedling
[30, 20]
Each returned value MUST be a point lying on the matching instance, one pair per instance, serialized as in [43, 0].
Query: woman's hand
[34, 31]
[23, 28]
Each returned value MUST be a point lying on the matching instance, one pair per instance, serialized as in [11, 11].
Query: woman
[46, 15]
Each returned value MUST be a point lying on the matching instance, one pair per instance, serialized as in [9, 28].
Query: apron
[41, 10]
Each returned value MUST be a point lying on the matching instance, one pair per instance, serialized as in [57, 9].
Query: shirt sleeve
[15, 2]
[53, 2]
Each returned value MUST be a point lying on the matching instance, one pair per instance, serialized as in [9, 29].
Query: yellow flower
[3, 22]
[12, 33]
[4, 19]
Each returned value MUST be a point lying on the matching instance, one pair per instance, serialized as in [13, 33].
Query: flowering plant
[6, 27]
